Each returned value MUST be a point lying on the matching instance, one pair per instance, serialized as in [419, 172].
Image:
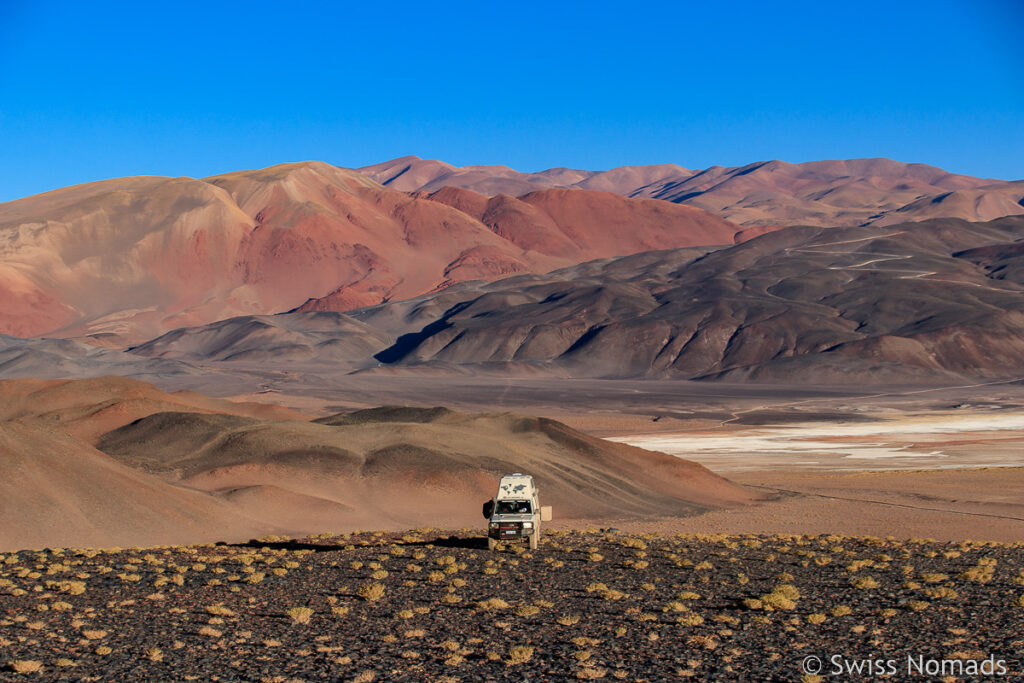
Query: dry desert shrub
[299, 615]
[492, 604]
[26, 666]
[371, 592]
[526, 610]
[703, 641]
[982, 573]
[220, 611]
[777, 600]
[591, 673]
[864, 583]
[154, 654]
[519, 655]
[572, 619]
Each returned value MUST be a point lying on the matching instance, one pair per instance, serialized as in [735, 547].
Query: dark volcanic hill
[320, 335]
[934, 301]
[913, 302]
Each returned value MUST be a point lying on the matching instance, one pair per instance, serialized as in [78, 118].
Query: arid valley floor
[911, 553]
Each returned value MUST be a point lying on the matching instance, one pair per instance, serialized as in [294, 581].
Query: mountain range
[823, 193]
[419, 266]
[130, 258]
[934, 301]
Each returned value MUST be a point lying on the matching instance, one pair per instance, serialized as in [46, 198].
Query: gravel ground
[437, 606]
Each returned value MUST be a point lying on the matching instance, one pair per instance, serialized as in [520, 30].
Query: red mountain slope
[135, 257]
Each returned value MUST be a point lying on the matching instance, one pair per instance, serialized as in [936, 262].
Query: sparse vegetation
[371, 592]
[299, 615]
[695, 595]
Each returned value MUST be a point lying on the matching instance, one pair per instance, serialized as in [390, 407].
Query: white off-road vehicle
[515, 513]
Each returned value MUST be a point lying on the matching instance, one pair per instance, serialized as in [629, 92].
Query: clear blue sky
[97, 90]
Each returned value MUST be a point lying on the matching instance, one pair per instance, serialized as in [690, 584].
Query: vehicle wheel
[491, 543]
[535, 539]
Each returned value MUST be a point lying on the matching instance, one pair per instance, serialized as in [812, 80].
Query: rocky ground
[429, 606]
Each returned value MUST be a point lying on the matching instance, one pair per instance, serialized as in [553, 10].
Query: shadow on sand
[471, 543]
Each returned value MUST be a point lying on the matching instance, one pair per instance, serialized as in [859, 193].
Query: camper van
[515, 512]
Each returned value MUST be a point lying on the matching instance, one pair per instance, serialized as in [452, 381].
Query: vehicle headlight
[527, 525]
[494, 525]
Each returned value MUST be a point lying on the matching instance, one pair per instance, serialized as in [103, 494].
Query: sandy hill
[58, 490]
[125, 260]
[824, 193]
[405, 466]
[116, 462]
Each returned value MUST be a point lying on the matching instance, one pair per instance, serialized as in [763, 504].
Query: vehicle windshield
[513, 507]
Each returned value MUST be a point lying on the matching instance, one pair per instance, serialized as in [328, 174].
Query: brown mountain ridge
[822, 193]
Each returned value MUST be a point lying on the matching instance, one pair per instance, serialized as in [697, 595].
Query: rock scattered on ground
[425, 606]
